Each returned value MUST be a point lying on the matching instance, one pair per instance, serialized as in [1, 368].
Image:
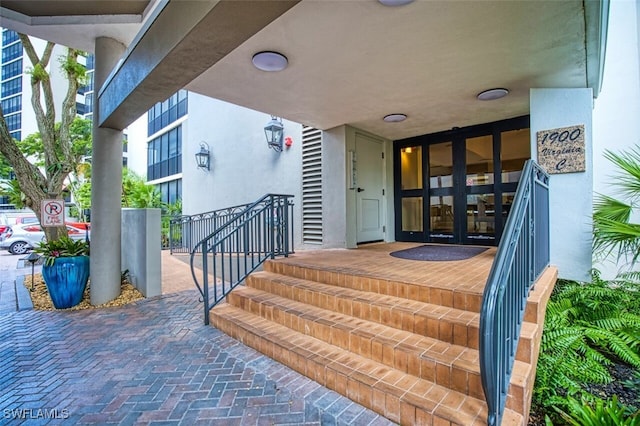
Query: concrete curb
[23, 299]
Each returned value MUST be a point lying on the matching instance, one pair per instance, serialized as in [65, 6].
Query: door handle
[360, 189]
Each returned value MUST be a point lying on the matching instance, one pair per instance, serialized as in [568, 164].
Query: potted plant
[65, 270]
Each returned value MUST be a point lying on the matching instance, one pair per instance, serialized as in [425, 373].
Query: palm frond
[629, 178]
[608, 207]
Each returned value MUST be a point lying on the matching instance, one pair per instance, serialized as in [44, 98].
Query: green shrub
[588, 327]
[62, 247]
[599, 413]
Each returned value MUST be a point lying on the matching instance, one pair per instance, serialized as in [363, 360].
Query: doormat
[438, 253]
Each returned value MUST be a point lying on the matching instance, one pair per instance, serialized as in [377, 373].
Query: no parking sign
[52, 212]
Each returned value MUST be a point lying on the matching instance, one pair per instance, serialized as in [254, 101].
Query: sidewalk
[152, 362]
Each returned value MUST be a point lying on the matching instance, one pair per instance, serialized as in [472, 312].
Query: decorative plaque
[562, 150]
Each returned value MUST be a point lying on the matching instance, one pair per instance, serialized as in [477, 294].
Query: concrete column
[570, 194]
[106, 186]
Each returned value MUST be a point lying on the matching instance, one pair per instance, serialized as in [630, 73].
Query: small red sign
[52, 212]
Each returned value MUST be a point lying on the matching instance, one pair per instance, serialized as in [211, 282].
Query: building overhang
[352, 63]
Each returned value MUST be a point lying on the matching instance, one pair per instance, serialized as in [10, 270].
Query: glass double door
[457, 187]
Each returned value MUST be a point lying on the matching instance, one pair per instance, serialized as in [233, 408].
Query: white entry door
[369, 189]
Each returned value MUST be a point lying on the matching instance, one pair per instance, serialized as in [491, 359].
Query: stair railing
[261, 230]
[522, 256]
[186, 231]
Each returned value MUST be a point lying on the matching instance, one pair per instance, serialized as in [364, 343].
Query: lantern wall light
[274, 131]
[203, 157]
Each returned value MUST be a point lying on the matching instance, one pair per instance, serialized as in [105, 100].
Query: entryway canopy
[350, 62]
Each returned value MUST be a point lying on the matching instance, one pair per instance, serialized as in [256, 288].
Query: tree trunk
[34, 184]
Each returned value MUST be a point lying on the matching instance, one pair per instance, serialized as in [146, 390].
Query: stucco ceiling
[353, 62]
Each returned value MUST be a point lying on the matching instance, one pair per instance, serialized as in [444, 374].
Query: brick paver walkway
[153, 362]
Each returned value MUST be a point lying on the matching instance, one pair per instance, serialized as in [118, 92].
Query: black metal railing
[185, 232]
[261, 230]
[523, 254]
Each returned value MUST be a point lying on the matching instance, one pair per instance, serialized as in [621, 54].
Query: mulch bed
[42, 301]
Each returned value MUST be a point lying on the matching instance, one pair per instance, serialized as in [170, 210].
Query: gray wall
[141, 249]
[243, 168]
[334, 184]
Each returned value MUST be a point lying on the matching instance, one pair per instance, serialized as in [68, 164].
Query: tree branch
[29, 177]
[69, 108]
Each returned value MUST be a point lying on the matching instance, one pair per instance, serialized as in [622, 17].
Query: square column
[106, 187]
[570, 194]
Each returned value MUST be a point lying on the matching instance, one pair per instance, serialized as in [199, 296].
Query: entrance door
[462, 199]
[369, 189]
[458, 186]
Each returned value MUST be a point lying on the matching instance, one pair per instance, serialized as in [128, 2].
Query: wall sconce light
[274, 132]
[203, 158]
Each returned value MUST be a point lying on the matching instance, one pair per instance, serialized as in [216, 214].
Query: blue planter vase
[66, 280]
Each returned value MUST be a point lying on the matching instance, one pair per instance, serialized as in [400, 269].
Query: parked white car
[22, 238]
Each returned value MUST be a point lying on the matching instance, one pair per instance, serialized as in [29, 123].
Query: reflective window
[164, 154]
[411, 167]
[481, 218]
[516, 150]
[441, 165]
[479, 160]
[166, 112]
[441, 214]
[412, 214]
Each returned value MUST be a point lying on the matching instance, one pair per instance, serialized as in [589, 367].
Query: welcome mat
[438, 253]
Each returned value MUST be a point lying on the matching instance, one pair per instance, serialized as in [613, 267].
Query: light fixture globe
[274, 132]
[394, 118]
[492, 94]
[203, 157]
[394, 3]
[270, 61]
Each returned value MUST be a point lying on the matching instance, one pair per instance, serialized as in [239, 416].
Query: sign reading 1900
[562, 150]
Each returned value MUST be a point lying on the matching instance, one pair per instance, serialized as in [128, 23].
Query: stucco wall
[616, 123]
[334, 178]
[243, 168]
[570, 194]
[140, 253]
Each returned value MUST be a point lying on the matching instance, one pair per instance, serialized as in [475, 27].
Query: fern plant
[587, 328]
[599, 413]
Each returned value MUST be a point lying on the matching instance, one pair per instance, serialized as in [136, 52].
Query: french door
[457, 186]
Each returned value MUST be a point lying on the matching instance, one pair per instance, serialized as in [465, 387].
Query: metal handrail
[186, 231]
[522, 256]
[261, 231]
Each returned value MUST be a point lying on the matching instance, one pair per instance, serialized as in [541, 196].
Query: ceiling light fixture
[492, 94]
[270, 61]
[393, 3]
[395, 118]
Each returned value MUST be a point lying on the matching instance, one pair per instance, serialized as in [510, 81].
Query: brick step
[448, 365]
[459, 299]
[449, 325]
[400, 397]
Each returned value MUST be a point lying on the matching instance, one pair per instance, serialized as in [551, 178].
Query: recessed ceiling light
[395, 2]
[395, 118]
[270, 61]
[492, 94]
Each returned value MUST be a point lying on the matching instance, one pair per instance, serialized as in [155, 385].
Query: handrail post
[285, 225]
[205, 282]
[272, 225]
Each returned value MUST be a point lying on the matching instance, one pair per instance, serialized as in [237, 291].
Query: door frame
[457, 136]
